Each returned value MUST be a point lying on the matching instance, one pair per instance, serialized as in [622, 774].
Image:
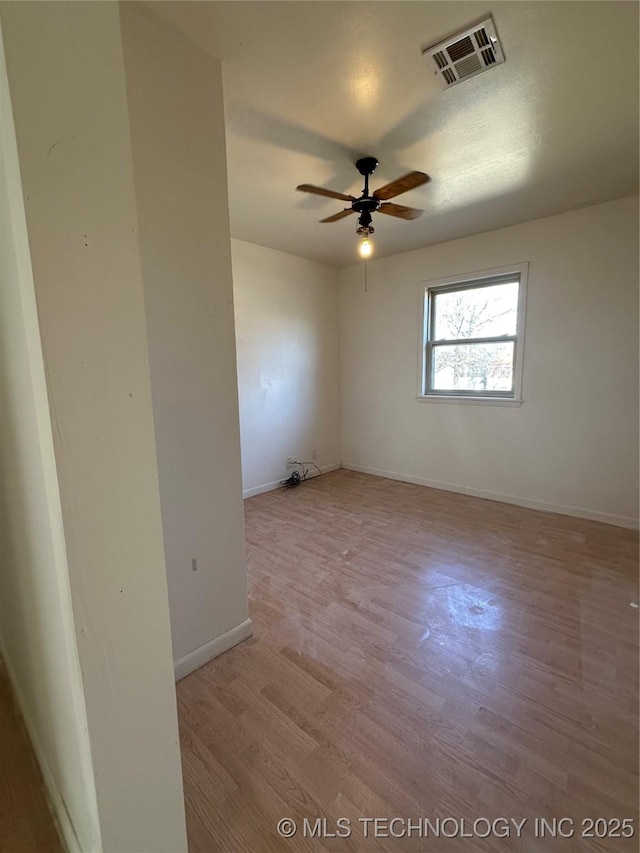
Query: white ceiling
[309, 86]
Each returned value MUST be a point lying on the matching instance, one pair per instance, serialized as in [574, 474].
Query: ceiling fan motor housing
[366, 204]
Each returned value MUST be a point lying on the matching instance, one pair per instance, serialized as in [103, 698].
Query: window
[473, 334]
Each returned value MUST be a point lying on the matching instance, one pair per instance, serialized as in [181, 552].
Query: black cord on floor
[291, 482]
[309, 463]
[296, 478]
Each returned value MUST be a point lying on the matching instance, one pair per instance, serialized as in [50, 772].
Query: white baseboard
[543, 506]
[197, 658]
[54, 799]
[268, 487]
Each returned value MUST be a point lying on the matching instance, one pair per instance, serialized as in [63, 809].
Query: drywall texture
[288, 362]
[177, 131]
[66, 79]
[37, 638]
[573, 444]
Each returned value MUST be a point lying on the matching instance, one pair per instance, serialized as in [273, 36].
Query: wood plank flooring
[26, 825]
[419, 654]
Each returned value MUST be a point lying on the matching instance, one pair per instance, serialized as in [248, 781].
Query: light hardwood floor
[418, 653]
[26, 825]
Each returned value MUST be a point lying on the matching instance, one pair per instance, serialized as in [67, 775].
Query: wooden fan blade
[340, 215]
[400, 210]
[402, 185]
[309, 188]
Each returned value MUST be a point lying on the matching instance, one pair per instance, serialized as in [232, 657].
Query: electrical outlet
[290, 461]
[314, 455]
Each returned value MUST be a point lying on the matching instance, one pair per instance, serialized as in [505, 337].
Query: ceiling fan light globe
[365, 249]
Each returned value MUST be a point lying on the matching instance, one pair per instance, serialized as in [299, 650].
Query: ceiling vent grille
[465, 54]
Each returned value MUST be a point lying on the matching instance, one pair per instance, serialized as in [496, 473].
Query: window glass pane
[479, 312]
[473, 367]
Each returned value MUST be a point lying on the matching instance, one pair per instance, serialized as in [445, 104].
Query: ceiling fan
[377, 202]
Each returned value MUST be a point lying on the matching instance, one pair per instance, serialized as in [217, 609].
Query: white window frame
[460, 282]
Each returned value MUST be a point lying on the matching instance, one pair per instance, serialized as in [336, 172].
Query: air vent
[466, 54]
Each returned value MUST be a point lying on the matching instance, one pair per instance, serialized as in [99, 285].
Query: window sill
[474, 401]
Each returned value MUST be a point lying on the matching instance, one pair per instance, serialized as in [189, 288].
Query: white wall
[177, 124]
[66, 79]
[573, 444]
[288, 362]
[37, 638]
